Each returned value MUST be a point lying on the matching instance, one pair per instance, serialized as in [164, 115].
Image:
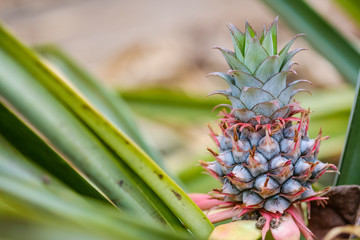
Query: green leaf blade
[33, 146]
[127, 152]
[109, 104]
[26, 195]
[349, 164]
[20, 75]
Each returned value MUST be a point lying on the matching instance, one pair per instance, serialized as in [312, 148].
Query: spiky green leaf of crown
[257, 78]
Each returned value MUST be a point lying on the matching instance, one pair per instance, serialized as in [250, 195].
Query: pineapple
[265, 160]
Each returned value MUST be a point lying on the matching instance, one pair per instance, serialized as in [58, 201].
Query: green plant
[265, 161]
[74, 166]
[83, 146]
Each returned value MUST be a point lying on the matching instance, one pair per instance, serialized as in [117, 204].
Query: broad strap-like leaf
[127, 151]
[111, 105]
[30, 144]
[33, 194]
[21, 75]
[349, 164]
[69, 136]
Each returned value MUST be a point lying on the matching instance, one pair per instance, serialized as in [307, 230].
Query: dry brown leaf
[343, 208]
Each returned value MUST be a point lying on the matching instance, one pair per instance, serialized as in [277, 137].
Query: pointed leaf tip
[238, 39]
[231, 59]
[283, 52]
[270, 39]
[249, 29]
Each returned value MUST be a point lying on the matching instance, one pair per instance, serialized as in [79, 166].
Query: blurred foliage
[113, 107]
[43, 208]
[320, 34]
[172, 106]
[352, 8]
[55, 111]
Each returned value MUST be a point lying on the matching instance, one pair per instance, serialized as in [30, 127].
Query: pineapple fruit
[265, 160]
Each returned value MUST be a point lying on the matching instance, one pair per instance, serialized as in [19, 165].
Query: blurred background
[156, 55]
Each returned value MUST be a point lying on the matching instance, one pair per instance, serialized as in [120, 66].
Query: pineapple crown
[257, 78]
[266, 161]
